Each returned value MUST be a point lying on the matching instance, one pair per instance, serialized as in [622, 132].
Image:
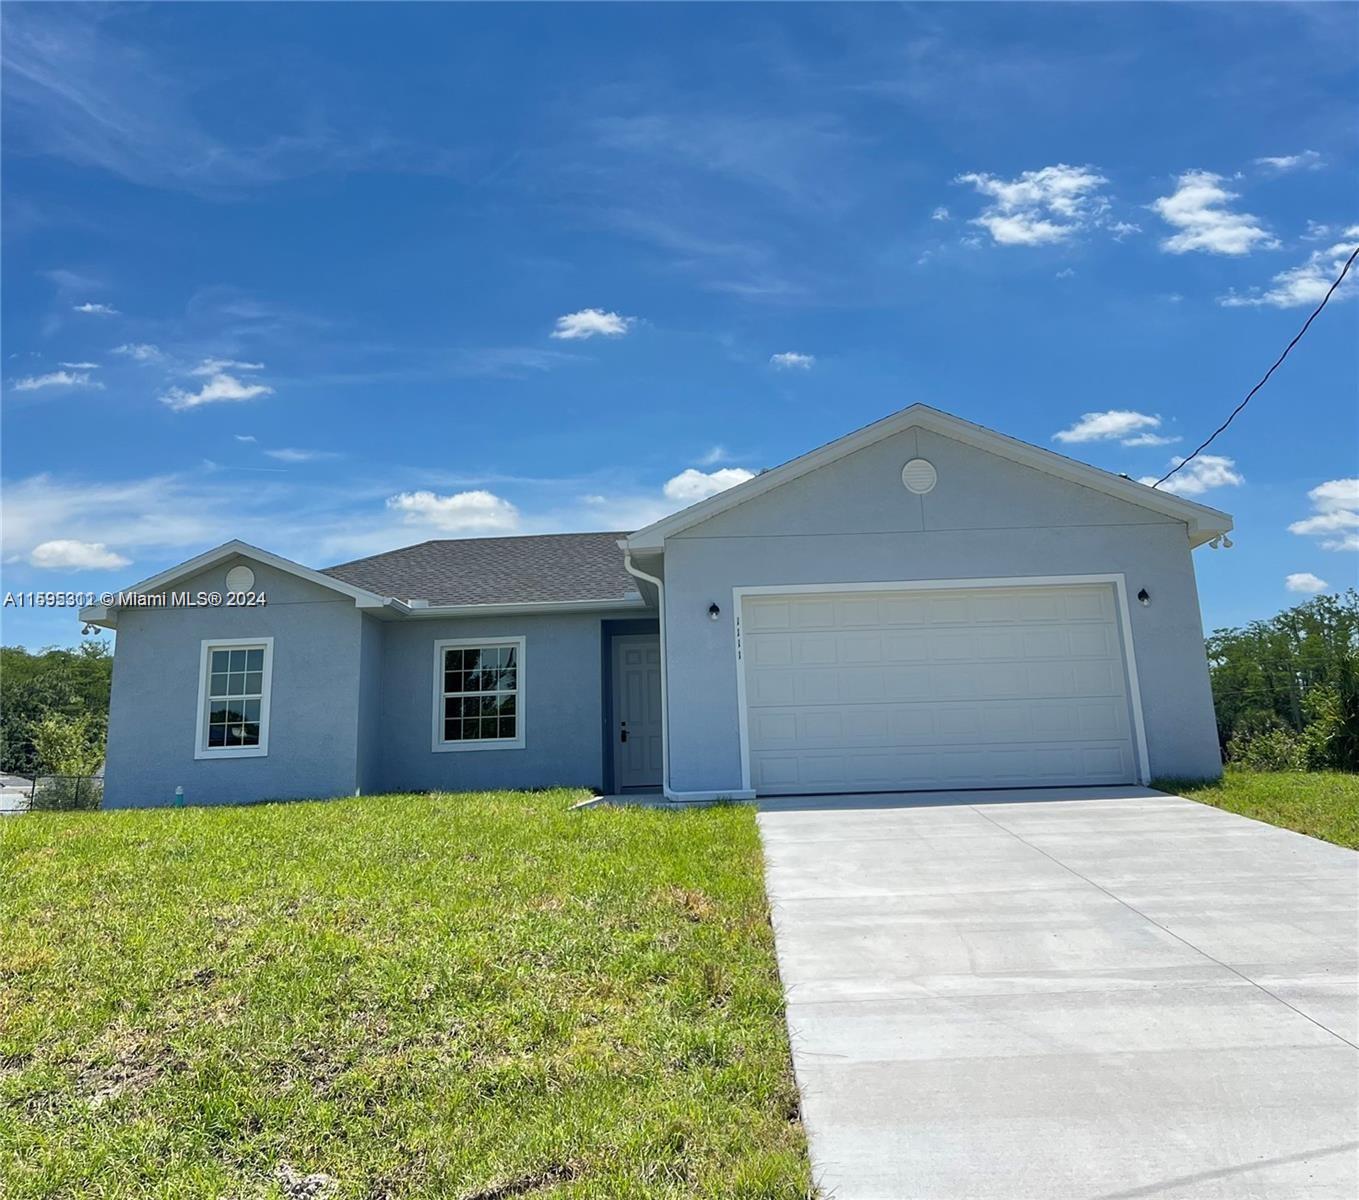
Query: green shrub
[1330, 740]
[67, 745]
[1271, 749]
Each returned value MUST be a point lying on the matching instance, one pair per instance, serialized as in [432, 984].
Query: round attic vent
[919, 476]
[240, 579]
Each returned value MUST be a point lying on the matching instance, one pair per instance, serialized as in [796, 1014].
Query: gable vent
[919, 476]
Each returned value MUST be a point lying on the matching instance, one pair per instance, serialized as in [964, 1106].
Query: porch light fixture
[714, 612]
[1144, 597]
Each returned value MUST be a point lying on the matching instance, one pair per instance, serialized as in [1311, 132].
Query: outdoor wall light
[714, 612]
[1144, 597]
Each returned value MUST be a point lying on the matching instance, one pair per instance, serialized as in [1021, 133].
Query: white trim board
[1117, 581]
[1202, 522]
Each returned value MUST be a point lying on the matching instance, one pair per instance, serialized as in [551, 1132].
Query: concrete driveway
[1107, 992]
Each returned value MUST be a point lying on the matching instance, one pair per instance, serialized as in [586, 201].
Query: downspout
[638, 573]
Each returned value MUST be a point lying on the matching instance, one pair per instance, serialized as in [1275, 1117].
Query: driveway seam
[1151, 920]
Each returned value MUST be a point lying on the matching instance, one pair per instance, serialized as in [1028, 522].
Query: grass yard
[1322, 804]
[481, 996]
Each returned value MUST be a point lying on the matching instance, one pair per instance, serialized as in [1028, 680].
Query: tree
[70, 683]
[1290, 672]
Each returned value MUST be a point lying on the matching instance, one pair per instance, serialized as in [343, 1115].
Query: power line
[1338, 279]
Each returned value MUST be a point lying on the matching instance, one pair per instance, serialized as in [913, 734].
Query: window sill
[232, 752]
[489, 744]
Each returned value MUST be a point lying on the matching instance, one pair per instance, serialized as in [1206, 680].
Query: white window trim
[201, 747]
[515, 743]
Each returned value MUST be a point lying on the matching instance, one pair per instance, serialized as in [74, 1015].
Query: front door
[636, 712]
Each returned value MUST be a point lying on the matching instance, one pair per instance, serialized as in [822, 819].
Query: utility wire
[1277, 362]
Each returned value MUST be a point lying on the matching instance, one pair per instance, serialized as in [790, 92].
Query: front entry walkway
[1103, 993]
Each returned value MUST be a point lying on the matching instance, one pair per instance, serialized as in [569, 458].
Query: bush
[1273, 749]
[1331, 738]
[67, 745]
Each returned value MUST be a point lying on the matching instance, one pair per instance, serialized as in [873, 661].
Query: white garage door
[924, 689]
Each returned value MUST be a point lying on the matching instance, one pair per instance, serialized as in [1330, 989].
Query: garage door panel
[813, 614]
[828, 727]
[994, 687]
[770, 650]
[833, 771]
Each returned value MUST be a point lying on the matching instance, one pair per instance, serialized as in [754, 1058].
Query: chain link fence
[65, 793]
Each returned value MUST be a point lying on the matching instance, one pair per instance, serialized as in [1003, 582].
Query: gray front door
[636, 712]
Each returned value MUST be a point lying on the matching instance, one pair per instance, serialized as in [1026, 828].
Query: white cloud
[692, 485]
[791, 361]
[63, 379]
[1151, 439]
[1308, 160]
[940, 214]
[80, 366]
[96, 310]
[1203, 473]
[244, 437]
[1305, 582]
[477, 511]
[1066, 273]
[1048, 205]
[1115, 424]
[1306, 284]
[590, 322]
[1199, 209]
[142, 352]
[221, 387]
[1335, 507]
[215, 366]
[86, 556]
[715, 455]
[288, 455]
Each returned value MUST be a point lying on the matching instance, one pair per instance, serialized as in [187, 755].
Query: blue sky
[337, 278]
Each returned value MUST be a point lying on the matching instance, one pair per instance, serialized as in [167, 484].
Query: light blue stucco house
[922, 604]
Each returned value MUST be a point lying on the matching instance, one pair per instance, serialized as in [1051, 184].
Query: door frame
[608, 630]
[1142, 768]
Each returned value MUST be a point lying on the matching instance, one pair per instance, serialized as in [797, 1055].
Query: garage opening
[925, 688]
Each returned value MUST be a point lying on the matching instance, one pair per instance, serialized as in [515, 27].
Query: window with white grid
[478, 694]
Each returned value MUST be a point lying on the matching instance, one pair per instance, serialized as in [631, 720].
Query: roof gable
[105, 614]
[1202, 522]
[238, 549]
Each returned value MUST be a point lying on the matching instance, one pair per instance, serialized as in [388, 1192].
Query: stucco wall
[314, 709]
[853, 521]
[560, 702]
[368, 768]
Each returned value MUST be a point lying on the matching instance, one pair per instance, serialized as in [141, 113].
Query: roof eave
[409, 609]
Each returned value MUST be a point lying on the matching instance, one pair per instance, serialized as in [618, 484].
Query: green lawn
[1323, 804]
[482, 996]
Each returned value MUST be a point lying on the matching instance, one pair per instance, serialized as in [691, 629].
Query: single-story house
[921, 604]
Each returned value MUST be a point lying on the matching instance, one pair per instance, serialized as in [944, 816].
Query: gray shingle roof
[507, 570]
